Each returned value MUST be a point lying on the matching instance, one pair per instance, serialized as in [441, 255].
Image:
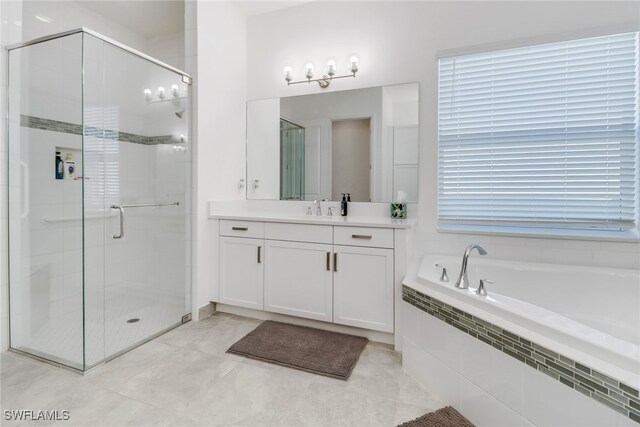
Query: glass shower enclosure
[99, 207]
[291, 161]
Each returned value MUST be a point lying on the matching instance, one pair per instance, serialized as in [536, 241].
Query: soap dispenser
[59, 166]
[343, 205]
[69, 167]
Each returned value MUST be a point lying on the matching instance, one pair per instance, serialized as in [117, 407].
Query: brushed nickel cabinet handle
[361, 236]
[328, 261]
[335, 261]
[239, 228]
[259, 251]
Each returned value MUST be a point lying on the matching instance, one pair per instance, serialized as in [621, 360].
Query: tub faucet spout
[463, 280]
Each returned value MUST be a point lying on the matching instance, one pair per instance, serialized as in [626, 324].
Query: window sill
[630, 236]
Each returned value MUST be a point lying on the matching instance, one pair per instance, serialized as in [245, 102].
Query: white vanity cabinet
[363, 277]
[334, 272]
[298, 279]
[363, 287]
[242, 264]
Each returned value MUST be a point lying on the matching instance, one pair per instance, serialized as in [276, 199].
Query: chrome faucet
[463, 280]
[318, 207]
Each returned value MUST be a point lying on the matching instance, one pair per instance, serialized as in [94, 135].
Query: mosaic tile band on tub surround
[74, 129]
[602, 388]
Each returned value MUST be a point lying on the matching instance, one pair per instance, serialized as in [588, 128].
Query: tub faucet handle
[481, 287]
[444, 277]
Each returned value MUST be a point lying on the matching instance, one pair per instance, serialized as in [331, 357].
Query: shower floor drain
[134, 320]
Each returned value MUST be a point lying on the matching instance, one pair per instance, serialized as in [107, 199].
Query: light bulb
[331, 68]
[354, 64]
[147, 94]
[309, 71]
[288, 74]
[175, 91]
[161, 92]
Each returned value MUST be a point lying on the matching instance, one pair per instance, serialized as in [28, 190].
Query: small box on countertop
[398, 210]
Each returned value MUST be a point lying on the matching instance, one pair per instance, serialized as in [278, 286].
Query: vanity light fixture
[161, 94]
[327, 78]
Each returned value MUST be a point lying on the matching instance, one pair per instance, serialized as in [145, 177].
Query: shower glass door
[135, 204]
[291, 161]
[45, 204]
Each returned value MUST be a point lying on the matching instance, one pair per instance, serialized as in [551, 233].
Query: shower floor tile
[184, 378]
[62, 336]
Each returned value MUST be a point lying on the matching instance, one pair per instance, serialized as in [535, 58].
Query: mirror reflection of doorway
[351, 159]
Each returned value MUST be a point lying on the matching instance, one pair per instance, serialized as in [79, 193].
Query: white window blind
[541, 136]
[101, 155]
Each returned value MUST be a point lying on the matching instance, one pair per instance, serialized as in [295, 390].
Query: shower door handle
[25, 190]
[121, 209]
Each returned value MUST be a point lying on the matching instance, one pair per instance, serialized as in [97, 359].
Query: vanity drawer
[363, 236]
[298, 232]
[252, 229]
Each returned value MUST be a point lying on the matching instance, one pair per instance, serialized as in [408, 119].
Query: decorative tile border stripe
[602, 388]
[65, 127]
[52, 125]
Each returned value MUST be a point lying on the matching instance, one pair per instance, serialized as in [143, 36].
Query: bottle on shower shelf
[59, 166]
[69, 167]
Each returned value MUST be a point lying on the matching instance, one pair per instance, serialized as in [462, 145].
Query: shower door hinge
[186, 318]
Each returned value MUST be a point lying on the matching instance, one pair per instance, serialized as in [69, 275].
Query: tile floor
[185, 378]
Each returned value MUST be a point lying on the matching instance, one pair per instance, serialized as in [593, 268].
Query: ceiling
[149, 18]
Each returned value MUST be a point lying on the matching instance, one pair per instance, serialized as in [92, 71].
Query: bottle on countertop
[69, 167]
[349, 197]
[343, 205]
[59, 166]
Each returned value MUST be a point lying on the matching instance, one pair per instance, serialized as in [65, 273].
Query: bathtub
[591, 315]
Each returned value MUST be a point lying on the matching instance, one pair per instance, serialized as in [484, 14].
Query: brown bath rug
[443, 417]
[313, 350]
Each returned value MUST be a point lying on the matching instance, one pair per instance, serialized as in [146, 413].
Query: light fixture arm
[324, 81]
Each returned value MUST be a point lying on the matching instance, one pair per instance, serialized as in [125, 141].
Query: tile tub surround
[604, 389]
[75, 129]
[185, 377]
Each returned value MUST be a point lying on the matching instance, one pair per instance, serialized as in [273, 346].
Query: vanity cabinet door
[298, 279]
[241, 272]
[363, 287]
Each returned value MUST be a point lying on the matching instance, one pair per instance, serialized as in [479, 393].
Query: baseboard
[206, 310]
[382, 337]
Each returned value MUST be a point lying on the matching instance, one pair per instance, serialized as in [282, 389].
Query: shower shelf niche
[76, 156]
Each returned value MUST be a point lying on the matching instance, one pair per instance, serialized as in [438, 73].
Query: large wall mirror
[363, 142]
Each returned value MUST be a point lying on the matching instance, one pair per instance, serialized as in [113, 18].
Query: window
[101, 154]
[543, 138]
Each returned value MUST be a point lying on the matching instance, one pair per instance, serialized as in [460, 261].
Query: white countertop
[354, 221]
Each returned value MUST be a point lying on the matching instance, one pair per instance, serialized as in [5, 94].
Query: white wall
[221, 115]
[398, 42]
[68, 15]
[168, 48]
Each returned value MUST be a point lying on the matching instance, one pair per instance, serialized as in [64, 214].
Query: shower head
[180, 113]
